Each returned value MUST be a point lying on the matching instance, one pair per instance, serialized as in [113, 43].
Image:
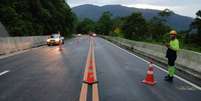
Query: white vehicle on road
[79, 35]
[55, 39]
[94, 34]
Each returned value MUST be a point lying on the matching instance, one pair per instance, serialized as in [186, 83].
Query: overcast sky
[183, 7]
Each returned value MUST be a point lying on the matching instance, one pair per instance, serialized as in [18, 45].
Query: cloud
[148, 6]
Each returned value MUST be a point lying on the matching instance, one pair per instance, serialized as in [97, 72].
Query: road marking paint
[87, 63]
[4, 72]
[13, 54]
[180, 78]
[94, 63]
[83, 93]
[95, 94]
[186, 88]
[20, 52]
[90, 67]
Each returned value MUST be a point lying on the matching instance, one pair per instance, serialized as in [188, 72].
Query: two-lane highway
[47, 74]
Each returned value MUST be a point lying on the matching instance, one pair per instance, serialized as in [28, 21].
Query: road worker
[171, 55]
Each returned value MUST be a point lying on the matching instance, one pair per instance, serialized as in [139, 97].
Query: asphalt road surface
[47, 74]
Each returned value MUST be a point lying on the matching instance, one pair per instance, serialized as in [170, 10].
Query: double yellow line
[84, 89]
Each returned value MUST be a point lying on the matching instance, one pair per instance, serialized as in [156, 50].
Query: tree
[163, 15]
[105, 23]
[85, 26]
[117, 27]
[135, 27]
[117, 32]
[196, 24]
[157, 29]
[195, 35]
[36, 17]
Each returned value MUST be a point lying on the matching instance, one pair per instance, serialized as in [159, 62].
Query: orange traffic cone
[90, 78]
[90, 68]
[150, 76]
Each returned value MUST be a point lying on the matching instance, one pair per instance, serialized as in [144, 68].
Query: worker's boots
[168, 78]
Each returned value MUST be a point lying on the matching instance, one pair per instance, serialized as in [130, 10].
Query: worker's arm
[167, 45]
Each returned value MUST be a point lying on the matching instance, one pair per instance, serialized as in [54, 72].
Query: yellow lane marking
[84, 89]
[95, 92]
[87, 63]
[83, 94]
[94, 64]
[95, 96]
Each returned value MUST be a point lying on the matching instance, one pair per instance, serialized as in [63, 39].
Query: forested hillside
[94, 12]
[36, 17]
[136, 27]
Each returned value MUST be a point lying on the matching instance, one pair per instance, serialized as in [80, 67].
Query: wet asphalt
[47, 74]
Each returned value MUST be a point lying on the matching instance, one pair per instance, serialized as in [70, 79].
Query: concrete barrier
[14, 44]
[188, 61]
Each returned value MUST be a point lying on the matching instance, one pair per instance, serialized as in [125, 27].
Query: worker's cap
[173, 32]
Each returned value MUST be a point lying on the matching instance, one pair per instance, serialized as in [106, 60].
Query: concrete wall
[13, 44]
[3, 31]
[187, 61]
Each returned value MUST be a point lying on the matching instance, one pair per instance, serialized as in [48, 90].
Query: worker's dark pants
[171, 61]
[171, 67]
[172, 56]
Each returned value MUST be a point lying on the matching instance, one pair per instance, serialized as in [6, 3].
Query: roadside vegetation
[42, 17]
[135, 27]
[36, 17]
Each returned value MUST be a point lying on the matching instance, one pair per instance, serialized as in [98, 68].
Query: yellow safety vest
[174, 44]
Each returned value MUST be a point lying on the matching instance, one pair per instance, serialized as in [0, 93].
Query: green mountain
[94, 12]
[36, 17]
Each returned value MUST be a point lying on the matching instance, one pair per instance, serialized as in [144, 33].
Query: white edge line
[4, 72]
[20, 52]
[186, 81]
